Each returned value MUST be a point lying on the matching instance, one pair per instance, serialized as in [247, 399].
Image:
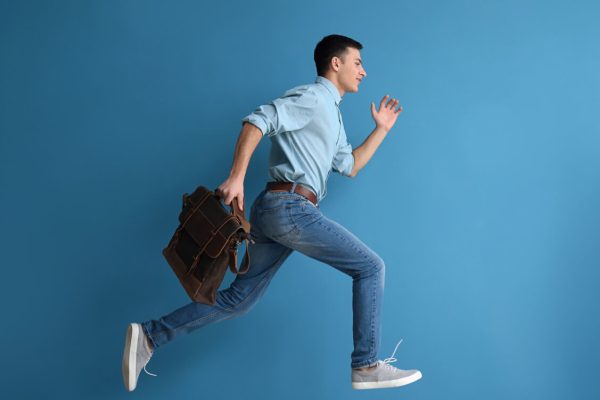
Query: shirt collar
[331, 87]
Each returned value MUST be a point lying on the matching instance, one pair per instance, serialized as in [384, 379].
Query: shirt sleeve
[291, 112]
[343, 162]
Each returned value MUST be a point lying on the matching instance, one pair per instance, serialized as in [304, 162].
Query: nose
[364, 73]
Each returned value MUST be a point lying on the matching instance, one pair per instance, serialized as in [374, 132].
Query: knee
[374, 265]
[234, 301]
[378, 265]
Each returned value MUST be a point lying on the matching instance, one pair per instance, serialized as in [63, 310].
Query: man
[308, 141]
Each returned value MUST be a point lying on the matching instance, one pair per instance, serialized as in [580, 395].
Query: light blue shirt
[307, 135]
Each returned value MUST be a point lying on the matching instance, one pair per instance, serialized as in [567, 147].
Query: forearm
[249, 138]
[363, 153]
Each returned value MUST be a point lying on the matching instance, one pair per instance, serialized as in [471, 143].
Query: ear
[335, 63]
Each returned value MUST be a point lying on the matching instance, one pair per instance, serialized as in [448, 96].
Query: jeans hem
[361, 364]
[150, 338]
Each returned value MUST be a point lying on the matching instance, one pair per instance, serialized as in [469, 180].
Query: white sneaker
[135, 356]
[384, 375]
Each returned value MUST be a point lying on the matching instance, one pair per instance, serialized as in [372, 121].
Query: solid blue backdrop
[482, 200]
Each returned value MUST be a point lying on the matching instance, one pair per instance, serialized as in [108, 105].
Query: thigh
[328, 241]
[304, 228]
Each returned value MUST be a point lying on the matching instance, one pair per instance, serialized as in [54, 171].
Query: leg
[266, 256]
[310, 232]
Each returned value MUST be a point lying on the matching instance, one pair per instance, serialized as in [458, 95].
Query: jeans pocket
[276, 222]
[277, 201]
[271, 205]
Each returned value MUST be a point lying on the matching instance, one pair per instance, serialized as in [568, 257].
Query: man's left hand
[386, 116]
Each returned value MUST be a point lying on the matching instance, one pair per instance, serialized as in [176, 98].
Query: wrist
[384, 130]
[237, 177]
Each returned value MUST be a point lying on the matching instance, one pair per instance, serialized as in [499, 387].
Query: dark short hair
[332, 46]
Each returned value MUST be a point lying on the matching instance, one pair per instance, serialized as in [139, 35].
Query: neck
[333, 78]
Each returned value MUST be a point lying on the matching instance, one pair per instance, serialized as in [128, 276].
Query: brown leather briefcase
[205, 243]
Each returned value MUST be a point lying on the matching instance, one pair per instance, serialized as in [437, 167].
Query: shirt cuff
[349, 166]
[259, 123]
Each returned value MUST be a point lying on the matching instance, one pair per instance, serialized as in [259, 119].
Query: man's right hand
[230, 189]
[233, 187]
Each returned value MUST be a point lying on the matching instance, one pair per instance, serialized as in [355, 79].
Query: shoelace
[145, 370]
[149, 373]
[391, 359]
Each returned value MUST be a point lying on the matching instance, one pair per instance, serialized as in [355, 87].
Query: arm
[385, 119]
[363, 153]
[233, 186]
[288, 113]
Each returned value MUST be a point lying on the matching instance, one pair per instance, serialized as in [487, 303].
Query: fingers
[228, 197]
[382, 103]
[390, 104]
[240, 201]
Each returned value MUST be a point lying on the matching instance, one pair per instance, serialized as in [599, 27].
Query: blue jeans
[281, 223]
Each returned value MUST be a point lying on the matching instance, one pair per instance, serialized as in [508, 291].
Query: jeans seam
[373, 300]
[373, 290]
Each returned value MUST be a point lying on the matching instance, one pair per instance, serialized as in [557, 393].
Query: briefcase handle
[236, 211]
[246, 226]
[240, 214]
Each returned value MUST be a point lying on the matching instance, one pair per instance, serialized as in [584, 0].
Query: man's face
[350, 71]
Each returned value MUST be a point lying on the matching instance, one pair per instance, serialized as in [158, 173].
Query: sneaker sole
[388, 384]
[129, 359]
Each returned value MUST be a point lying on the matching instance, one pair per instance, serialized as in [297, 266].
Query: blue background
[482, 200]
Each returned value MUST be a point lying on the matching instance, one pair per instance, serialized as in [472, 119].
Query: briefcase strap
[233, 261]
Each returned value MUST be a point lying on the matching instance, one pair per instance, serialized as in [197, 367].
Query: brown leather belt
[287, 186]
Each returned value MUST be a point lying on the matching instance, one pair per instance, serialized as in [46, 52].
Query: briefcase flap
[209, 237]
[207, 221]
[201, 196]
